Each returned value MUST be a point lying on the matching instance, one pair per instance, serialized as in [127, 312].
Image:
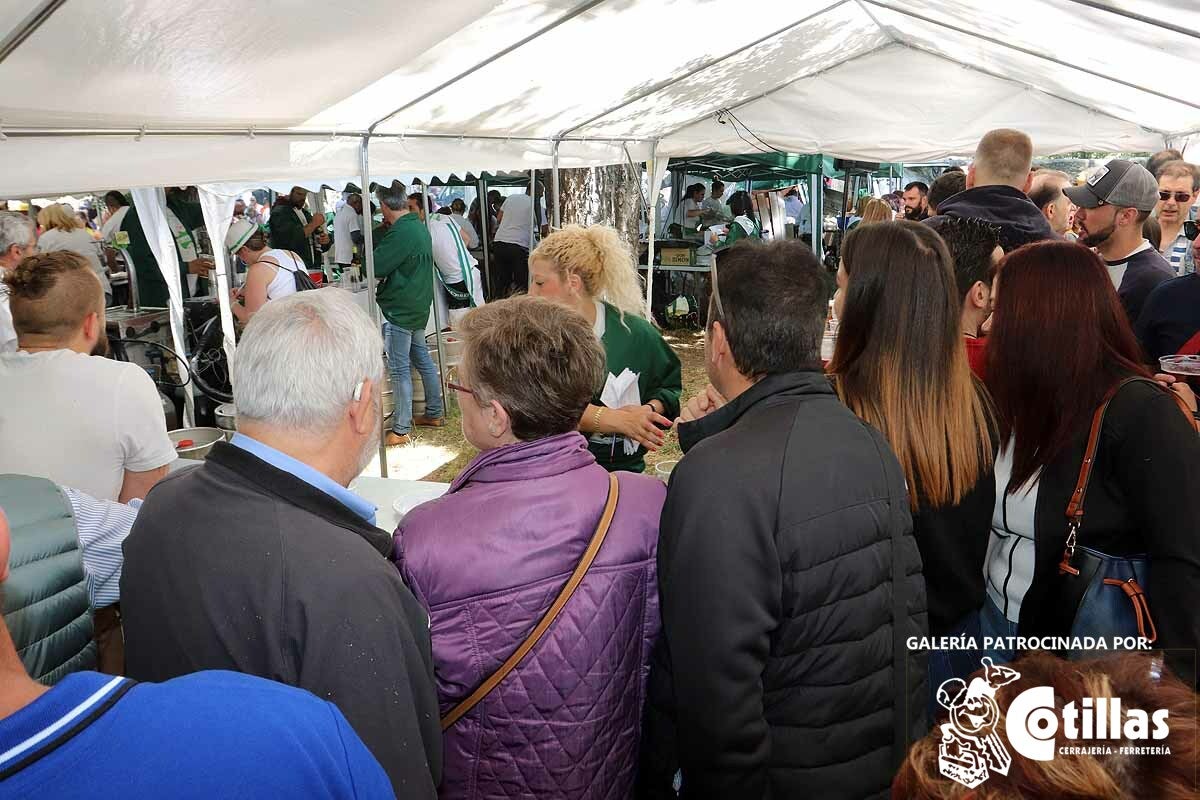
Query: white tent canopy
[162, 92]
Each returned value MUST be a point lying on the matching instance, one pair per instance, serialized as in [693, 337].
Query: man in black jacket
[783, 669]
[263, 562]
[997, 182]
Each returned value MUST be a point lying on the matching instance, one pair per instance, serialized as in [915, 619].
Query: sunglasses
[1190, 229]
[716, 294]
[1180, 197]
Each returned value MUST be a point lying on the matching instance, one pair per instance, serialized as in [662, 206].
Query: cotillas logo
[970, 748]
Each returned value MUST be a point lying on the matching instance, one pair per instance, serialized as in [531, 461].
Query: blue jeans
[993, 624]
[947, 664]
[406, 349]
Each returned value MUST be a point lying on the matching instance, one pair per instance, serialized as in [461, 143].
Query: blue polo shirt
[304, 472]
[205, 735]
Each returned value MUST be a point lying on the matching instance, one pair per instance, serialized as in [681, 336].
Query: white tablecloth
[385, 493]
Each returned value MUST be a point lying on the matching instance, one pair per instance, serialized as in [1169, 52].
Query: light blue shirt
[102, 527]
[304, 472]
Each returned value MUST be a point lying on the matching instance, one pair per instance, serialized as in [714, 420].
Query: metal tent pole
[533, 209]
[652, 164]
[437, 315]
[485, 225]
[816, 199]
[368, 233]
[554, 187]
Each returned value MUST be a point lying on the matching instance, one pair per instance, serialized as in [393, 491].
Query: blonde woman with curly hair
[592, 271]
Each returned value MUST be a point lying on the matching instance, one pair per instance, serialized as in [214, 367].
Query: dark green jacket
[152, 286]
[404, 267]
[287, 233]
[45, 596]
[634, 343]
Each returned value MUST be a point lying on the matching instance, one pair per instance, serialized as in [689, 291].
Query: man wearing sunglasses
[1178, 187]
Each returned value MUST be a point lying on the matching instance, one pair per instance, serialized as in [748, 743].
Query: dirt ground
[439, 454]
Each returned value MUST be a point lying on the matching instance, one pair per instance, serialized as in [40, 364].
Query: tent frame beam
[1031, 53]
[18, 132]
[28, 26]
[664, 84]
[1120, 12]
[567, 17]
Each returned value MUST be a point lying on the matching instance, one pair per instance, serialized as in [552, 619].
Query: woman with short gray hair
[18, 239]
[489, 557]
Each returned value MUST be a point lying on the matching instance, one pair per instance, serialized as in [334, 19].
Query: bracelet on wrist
[596, 419]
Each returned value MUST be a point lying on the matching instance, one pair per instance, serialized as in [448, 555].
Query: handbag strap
[589, 555]
[1075, 505]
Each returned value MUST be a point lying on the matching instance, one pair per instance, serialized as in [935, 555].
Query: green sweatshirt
[404, 265]
[736, 232]
[151, 285]
[633, 343]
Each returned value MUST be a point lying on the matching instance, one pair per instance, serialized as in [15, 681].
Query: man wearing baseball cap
[1110, 209]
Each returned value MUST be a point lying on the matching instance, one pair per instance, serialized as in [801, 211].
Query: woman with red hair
[1060, 344]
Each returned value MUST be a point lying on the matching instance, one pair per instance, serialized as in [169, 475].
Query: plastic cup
[1186, 368]
[663, 470]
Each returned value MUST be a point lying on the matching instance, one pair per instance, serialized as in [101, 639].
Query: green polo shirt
[404, 267]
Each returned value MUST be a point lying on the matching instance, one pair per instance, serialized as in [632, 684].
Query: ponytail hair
[603, 262]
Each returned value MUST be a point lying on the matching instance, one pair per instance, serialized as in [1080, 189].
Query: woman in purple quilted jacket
[489, 558]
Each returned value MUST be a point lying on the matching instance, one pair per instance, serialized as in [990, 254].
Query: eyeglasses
[452, 377]
[1180, 197]
[1190, 229]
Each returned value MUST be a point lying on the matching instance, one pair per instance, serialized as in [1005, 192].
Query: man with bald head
[998, 181]
[1046, 192]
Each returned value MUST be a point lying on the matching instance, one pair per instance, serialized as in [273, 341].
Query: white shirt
[345, 222]
[690, 224]
[8, 334]
[1116, 269]
[446, 253]
[78, 241]
[470, 236]
[80, 421]
[515, 227]
[1008, 567]
[284, 282]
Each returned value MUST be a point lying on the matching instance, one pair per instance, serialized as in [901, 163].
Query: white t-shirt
[8, 334]
[77, 241]
[514, 228]
[446, 254]
[690, 224]
[284, 282]
[80, 421]
[345, 222]
[469, 234]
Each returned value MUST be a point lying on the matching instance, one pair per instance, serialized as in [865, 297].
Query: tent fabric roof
[487, 84]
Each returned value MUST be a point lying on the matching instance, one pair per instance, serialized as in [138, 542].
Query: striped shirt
[102, 526]
[1179, 255]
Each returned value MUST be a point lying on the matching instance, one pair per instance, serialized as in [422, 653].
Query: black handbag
[1101, 595]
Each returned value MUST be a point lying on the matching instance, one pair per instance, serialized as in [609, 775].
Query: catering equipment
[194, 443]
[226, 418]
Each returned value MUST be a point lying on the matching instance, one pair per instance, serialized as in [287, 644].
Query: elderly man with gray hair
[18, 238]
[263, 562]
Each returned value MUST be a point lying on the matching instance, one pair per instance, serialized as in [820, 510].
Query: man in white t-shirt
[18, 238]
[68, 414]
[458, 289]
[514, 240]
[347, 230]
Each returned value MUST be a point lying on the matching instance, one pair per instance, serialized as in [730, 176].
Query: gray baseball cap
[1118, 183]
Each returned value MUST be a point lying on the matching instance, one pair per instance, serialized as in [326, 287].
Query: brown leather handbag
[560, 602]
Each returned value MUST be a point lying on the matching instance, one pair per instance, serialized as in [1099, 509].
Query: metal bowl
[202, 440]
[226, 415]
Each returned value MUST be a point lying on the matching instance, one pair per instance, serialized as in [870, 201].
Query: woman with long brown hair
[1060, 344]
[899, 364]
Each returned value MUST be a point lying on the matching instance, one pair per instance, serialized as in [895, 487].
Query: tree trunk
[603, 196]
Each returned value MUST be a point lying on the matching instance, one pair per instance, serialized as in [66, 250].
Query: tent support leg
[816, 197]
[485, 220]
[437, 312]
[557, 214]
[368, 233]
[652, 165]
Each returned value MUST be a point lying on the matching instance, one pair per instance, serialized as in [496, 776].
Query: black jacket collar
[287, 487]
[793, 384]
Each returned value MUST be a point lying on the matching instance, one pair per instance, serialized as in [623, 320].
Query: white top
[80, 421]
[284, 283]
[78, 241]
[1008, 567]
[469, 234]
[345, 222]
[515, 227]
[715, 210]
[1116, 270]
[8, 334]
[690, 224]
[446, 253]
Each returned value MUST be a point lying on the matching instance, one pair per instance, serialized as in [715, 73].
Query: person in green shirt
[744, 226]
[151, 285]
[404, 267]
[292, 227]
[592, 271]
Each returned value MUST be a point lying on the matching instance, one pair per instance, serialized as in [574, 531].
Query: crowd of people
[559, 625]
